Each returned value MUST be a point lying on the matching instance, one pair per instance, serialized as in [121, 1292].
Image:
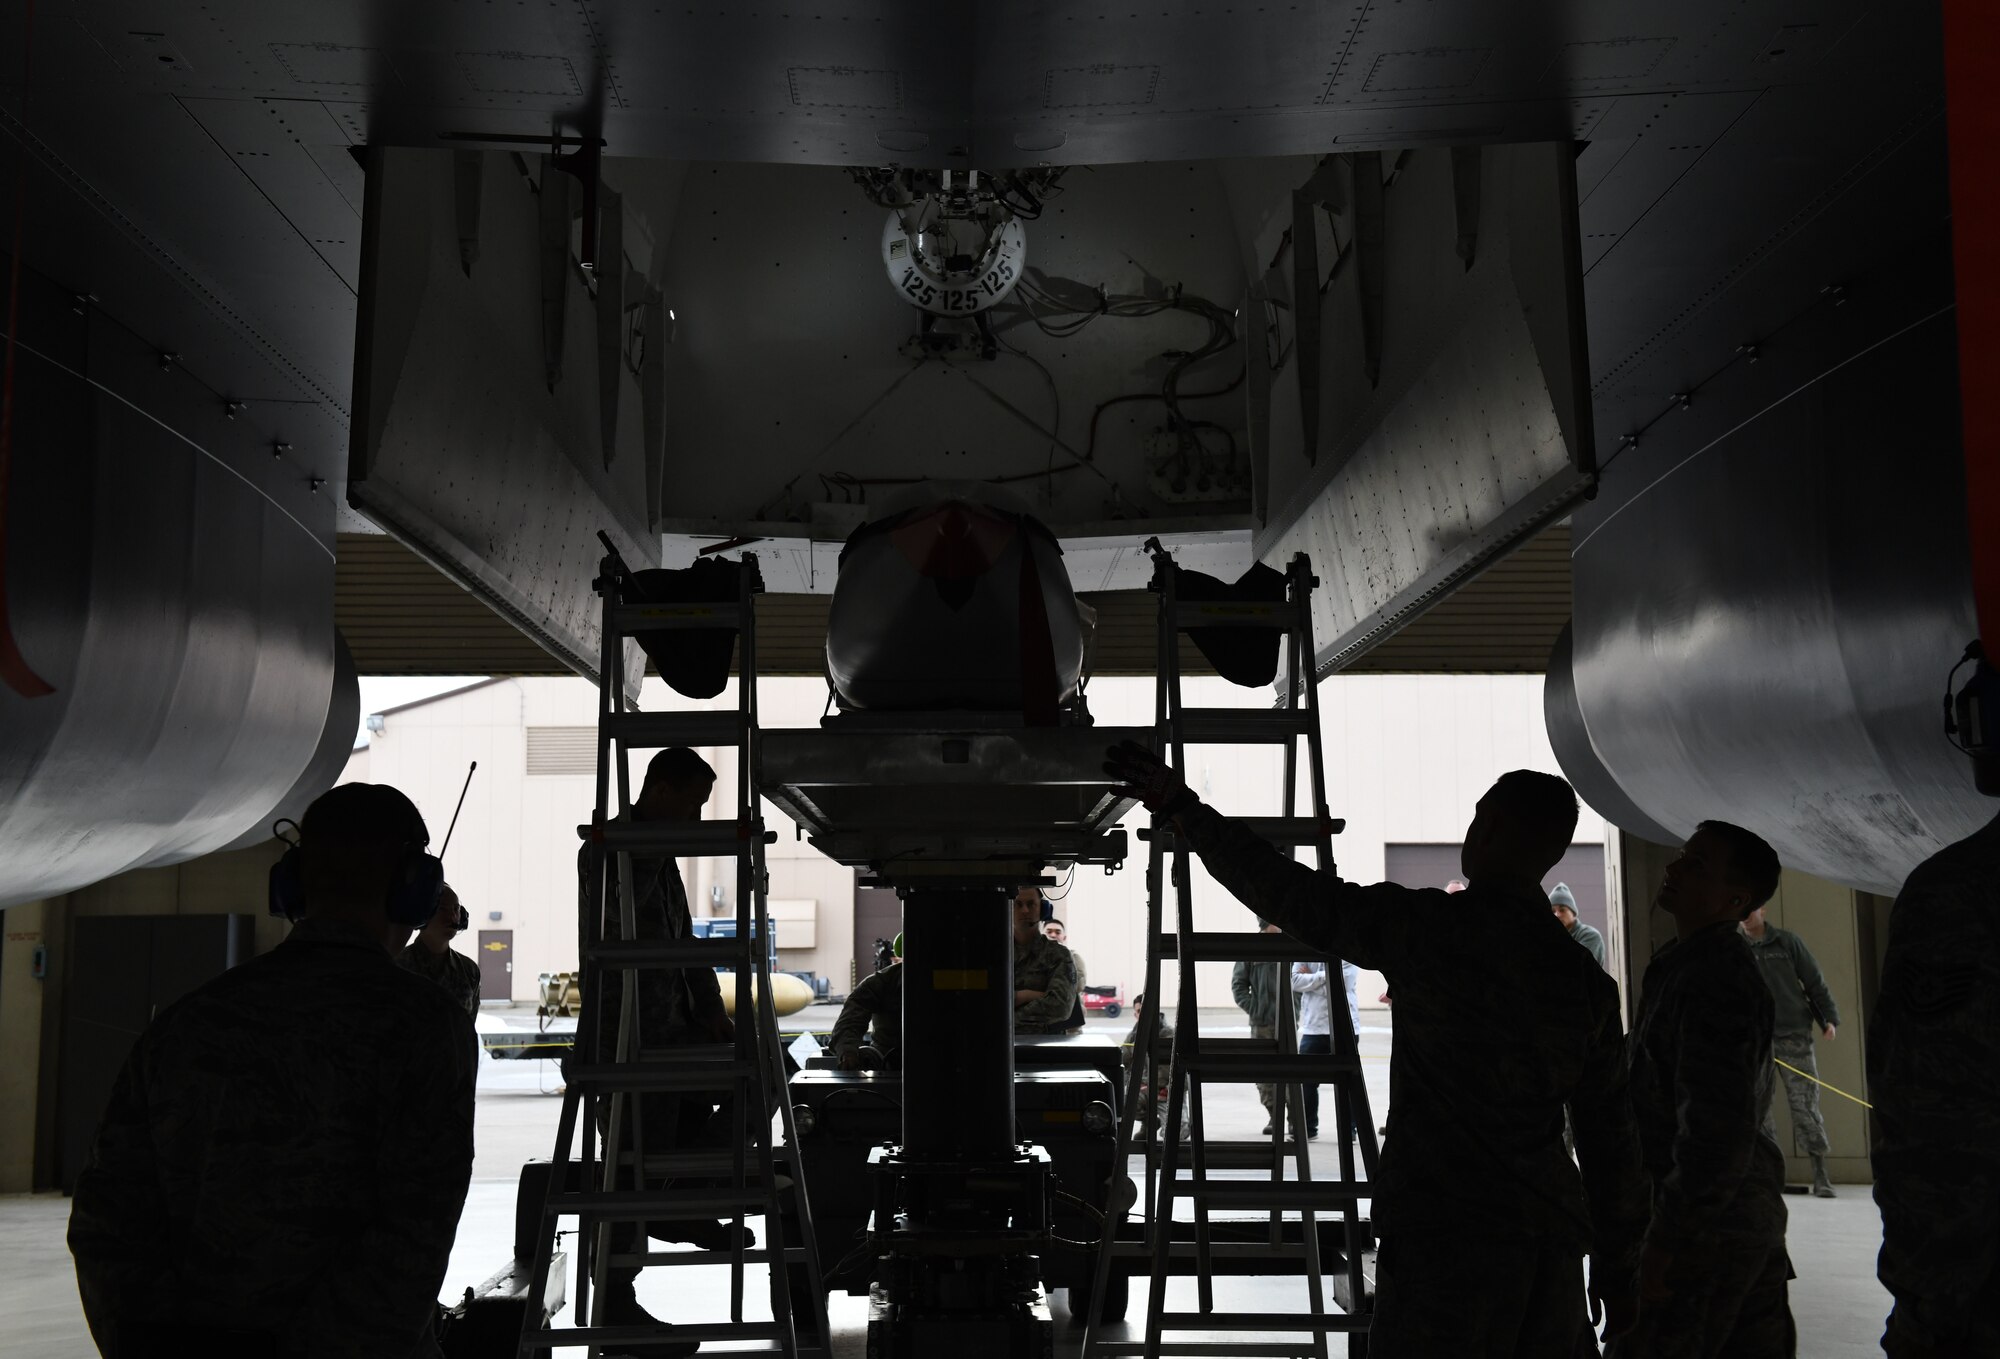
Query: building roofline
[488, 682]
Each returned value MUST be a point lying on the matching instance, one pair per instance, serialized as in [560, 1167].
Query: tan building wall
[514, 851]
[1407, 757]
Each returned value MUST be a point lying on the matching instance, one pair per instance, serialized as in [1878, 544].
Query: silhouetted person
[1257, 989]
[1501, 1020]
[282, 1164]
[1713, 1271]
[1934, 1075]
[876, 1003]
[1310, 984]
[676, 1007]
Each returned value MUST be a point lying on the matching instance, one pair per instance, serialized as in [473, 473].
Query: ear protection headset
[413, 896]
[1972, 718]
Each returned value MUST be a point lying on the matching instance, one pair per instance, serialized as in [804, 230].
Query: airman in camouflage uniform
[431, 956]
[1256, 988]
[879, 998]
[1161, 1045]
[1501, 1021]
[1803, 1003]
[1934, 1076]
[286, 1152]
[674, 1007]
[1714, 1268]
[1044, 976]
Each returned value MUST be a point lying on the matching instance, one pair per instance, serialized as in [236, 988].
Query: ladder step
[668, 1205]
[1271, 1069]
[652, 1077]
[1310, 1323]
[710, 1163]
[633, 954]
[794, 1255]
[627, 619]
[1272, 1195]
[1242, 726]
[1209, 1349]
[1217, 1250]
[1217, 613]
[679, 839]
[641, 731]
[655, 1335]
[1232, 946]
[1245, 1155]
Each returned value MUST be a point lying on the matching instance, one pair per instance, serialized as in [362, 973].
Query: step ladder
[751, 1176]
[1287, 1239]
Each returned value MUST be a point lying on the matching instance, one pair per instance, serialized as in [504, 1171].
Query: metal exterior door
[878, 914]
[496, 964]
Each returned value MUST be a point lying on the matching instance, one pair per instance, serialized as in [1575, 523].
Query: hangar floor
[1838, 1303]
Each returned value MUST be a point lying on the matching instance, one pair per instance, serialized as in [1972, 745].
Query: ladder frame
[1169, 854]
[754, 1065]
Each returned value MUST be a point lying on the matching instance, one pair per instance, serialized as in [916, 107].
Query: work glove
[1147, 777]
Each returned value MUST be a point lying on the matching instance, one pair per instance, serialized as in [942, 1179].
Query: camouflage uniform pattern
[1043, 965]
[879, 998]
[1162, 1054]
[1934, 1077]
[674, 1004]
[456, 973]
[1801, 1096]
[1798, 987]
[674, 1007]
[1500, 1021]
[1255, 987]
[285, 1153]
[1702, 1079]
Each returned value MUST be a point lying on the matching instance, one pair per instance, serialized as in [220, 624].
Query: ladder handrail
[754, 1044]
[1169, 868]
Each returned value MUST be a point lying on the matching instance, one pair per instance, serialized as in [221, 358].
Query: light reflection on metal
[954, 244]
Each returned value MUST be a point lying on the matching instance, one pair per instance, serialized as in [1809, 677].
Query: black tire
[1117, 1297]
[1113, 1010]
[805, 1304]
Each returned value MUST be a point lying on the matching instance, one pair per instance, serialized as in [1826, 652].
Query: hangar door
[496, 964]
[124, 970]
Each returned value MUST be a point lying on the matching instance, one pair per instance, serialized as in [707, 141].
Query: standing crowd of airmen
[1507, 1031]
[283, 1162]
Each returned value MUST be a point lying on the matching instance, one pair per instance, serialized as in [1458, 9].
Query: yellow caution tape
[1817, 1081]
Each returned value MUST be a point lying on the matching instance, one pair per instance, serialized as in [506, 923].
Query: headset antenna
[456, 810]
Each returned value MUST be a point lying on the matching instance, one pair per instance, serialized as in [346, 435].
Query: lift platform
[950, 798]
